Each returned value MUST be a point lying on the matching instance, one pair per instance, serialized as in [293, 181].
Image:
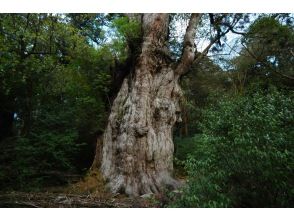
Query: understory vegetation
[243, 156]
[59, 75]
[239, 150]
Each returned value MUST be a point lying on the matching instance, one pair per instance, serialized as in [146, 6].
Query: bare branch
[218, 36]
[232, 49]
[231, 28]
[189, 47]
[205, 51]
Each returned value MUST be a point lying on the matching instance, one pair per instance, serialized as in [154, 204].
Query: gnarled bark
[137, 155]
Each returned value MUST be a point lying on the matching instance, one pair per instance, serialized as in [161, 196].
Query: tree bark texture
[137, 154]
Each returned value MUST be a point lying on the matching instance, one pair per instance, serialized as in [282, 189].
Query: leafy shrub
[244, 157]
[38, 159]
[183, 147]
[54, 148]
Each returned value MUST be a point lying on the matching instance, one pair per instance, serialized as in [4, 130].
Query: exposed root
[143, 184]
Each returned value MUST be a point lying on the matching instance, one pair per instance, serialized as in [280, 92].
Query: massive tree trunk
[137, 154]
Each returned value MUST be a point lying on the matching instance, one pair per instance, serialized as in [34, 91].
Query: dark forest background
[59, 74]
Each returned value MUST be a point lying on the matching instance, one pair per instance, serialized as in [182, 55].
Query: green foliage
[241, 153]
[204, 79]
[244, 157]
[126, 28]
[126, 31]
[35, 160]
[183, 147]
[267, 54]
[55, 77]
[55, 84]
[90, 26]
[42, 154]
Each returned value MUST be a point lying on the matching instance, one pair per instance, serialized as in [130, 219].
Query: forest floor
[88, 192]
[48, 199]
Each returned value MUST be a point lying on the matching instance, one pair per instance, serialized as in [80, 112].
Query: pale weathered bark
[137, 155]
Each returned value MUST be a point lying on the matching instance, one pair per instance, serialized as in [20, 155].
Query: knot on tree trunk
[141, 130]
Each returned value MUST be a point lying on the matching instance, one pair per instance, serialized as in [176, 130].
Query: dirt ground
[60, 200]
[88, 192]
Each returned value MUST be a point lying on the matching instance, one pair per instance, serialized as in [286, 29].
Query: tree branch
[205, 51]
[269, 66]
[218, 36]
[189, 47]
[232, 29]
